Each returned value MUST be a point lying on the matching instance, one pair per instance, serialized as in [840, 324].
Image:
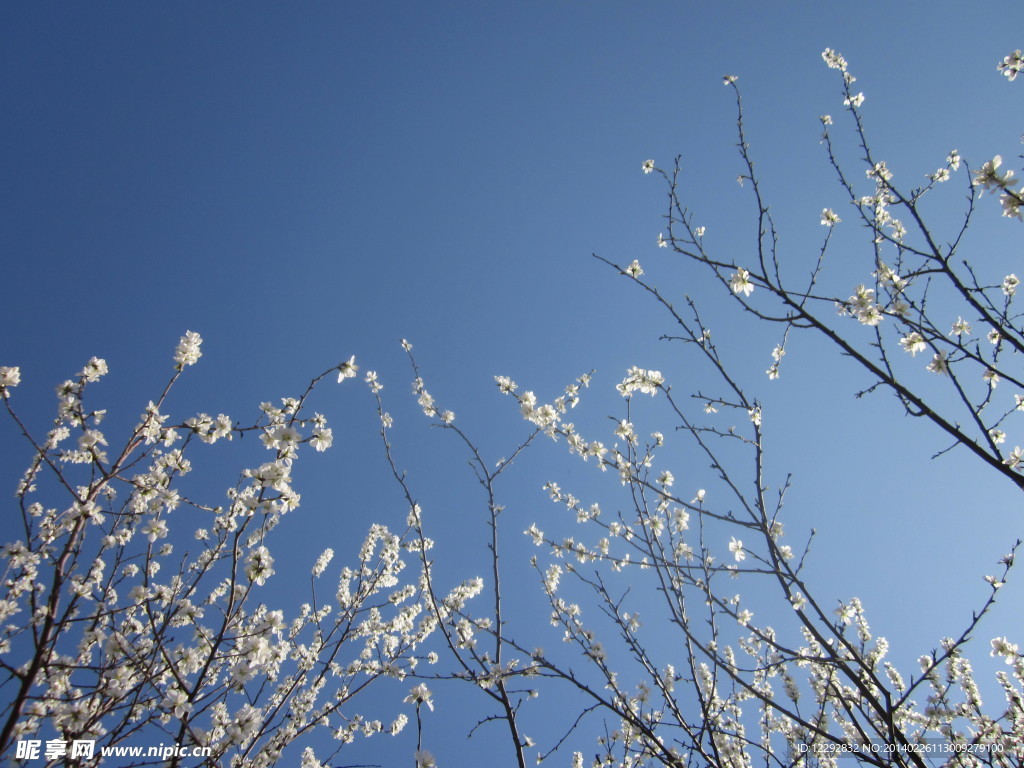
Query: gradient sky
[303, 182]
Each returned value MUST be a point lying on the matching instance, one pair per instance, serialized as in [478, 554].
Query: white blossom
[348, 369]
[420, 694]
[1012, 65]
[188, 352]
[9, 377]
[740, 282]
[736, 548]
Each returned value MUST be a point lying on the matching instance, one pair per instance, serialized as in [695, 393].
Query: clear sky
[304, 182]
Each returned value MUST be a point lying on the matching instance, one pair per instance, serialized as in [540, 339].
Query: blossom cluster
[989, 177]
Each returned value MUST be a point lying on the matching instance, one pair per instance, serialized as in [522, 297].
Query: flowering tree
[690, 633]
[113, 632]
[719, 672]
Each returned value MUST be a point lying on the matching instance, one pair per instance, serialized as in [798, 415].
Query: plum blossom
[188, 352]
[1012, 65]
[988, 177]
[625, 431]
[736, 548]
[10, 376]
[834, 59]
[94, 369]
[939, 364]
[505, 385]
[740, 282]
[1003, 647]
[348, 369]
[1013, 461]
[155, 529]
[323, 561]
[776, 355]
[259, 566]
[420, 694]
[282, 438]
[960, 328]
[322, 438]
[863, 307]
[371, 379]
[913, 343]
[640, 380]
[879, 172]
[846, 613]
[1011, 201]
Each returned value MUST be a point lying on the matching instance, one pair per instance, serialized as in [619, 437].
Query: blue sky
[300, 183]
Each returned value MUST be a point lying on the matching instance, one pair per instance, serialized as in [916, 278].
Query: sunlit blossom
[1003, 647]
[834, 59]
[740, 282]
[10, 376]
[736, 548]
[961, 328]
[1013, 461]
[420, 694]
[1012, 65]
[988, 176]
[348, 369]
[939, 364]
[188, 351]
[913, 343]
